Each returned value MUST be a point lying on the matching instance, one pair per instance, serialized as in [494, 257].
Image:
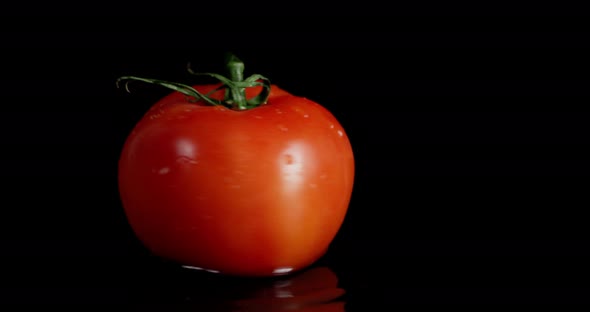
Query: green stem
[236, 96]
[235, 86]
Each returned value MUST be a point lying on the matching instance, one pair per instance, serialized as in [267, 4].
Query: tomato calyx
[235, 86]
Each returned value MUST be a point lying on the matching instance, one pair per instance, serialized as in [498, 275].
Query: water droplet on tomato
[186, 161]
[164, 170]
[282, 270]
[186, 148]
[292, 164]
[340, 133]
[196, 268]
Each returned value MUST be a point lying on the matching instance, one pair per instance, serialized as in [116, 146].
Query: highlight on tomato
[238, 177]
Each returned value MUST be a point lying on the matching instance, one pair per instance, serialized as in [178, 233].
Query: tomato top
[216, 92]
[235, 87]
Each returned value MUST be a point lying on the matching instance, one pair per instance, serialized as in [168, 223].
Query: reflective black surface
[471, 145]
[356, 277]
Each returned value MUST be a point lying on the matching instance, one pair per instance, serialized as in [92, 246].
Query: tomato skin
[257, 192]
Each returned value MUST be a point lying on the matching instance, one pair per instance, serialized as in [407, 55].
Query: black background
[470, 137]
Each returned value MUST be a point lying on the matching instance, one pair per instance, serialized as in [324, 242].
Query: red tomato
[254, 192]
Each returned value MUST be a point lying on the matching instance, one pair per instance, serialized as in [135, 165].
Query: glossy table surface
[348, 278]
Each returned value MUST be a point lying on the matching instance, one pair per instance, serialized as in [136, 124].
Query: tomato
[252, 192]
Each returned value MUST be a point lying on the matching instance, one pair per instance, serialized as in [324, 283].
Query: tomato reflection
[312, 290]
[315, 289]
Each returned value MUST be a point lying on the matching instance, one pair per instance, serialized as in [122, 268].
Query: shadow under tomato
[314, 289]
